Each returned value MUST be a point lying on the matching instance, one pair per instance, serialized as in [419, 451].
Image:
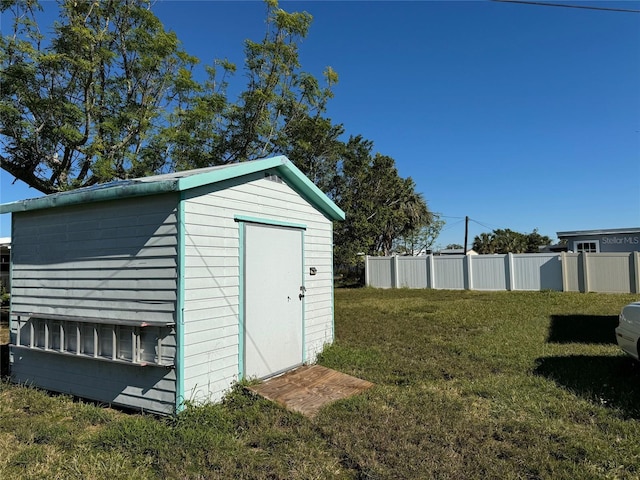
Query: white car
[628, 331]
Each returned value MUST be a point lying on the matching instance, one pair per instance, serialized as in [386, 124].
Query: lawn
[469, 385]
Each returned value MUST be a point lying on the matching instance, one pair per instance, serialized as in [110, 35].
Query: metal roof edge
[603, 231]
[89, 195]
[233, 171]
[141, 187]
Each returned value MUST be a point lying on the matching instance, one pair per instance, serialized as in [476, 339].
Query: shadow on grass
[612, 382]
[583, 329]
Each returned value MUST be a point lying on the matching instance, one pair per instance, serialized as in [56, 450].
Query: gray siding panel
[145, 388]
[84, 253]
[114, 260]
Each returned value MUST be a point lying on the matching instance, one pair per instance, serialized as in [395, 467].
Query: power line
[449, 226]
[564, 5]
[490, 227]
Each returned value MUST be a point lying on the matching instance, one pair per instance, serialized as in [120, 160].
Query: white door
[272, 304]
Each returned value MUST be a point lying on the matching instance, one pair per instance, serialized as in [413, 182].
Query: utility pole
[466, 233]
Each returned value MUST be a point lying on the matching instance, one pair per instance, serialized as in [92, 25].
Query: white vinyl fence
[569, 272]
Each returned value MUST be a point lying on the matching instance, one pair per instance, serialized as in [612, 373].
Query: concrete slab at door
[273, 309]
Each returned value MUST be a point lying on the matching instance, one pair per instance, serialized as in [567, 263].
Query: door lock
[303, 290]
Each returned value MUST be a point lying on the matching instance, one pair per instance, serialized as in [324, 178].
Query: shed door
[273, 309]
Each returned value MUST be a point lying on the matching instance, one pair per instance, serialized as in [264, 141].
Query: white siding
[212, 277]
[115, 260]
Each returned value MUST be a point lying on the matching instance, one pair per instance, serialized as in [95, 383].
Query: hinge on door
[303, 290]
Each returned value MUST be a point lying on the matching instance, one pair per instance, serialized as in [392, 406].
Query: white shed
[151, 292]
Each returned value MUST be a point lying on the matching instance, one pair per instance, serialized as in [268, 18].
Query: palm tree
[485, 243]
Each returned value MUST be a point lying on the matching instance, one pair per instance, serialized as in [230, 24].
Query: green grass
[505, 385]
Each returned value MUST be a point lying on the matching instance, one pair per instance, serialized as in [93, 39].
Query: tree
[112, 95]
[314, 146]
[79, 108]
[380, 205]
[535, 240]
[280, 101]
[454, 246]
[422, 238]
[508, 241]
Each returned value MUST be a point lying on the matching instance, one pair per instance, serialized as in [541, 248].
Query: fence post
[467, 260]
[395, 271]
[563, 271]
[585, 272]
[636, 272]
[366, 270]
[511, 277]
[431, 278]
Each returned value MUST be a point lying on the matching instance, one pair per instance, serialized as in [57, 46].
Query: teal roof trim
[107, 191]
[305, 187]
[182, 181]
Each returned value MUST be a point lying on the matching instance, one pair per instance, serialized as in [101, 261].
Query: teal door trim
[268, 221]
[180, 370]
[241, 296]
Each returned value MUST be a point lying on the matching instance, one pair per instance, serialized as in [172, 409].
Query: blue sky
[518, 116]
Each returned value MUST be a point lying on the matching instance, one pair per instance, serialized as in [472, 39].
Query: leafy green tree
[422, 238]
[380, 205]
[193, 134]
[279, 95]
[110, 94]
[484, 243]
[454, 246]
[535, 240]
[314, 146]
[279, 112]
[77, 108]
[507, 241]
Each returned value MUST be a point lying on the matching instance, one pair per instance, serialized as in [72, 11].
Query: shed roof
[186, 180]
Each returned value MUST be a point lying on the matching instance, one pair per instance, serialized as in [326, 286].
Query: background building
[596, 241]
